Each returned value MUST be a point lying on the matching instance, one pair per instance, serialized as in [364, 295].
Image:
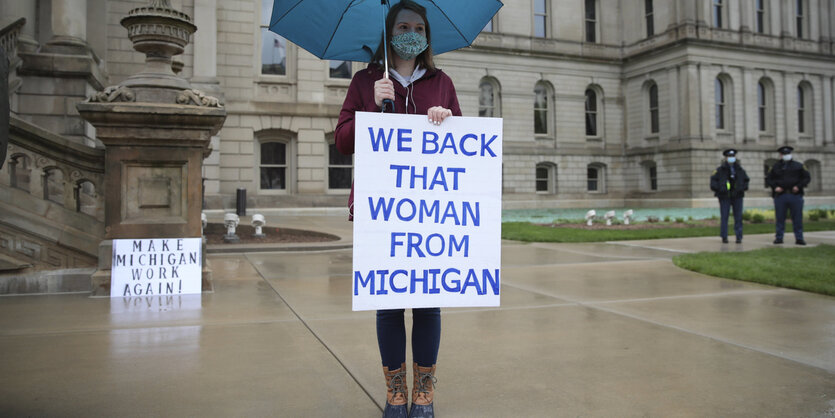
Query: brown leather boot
[396, 397]
[423, 392]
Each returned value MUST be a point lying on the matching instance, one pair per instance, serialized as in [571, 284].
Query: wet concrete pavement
[602, 330]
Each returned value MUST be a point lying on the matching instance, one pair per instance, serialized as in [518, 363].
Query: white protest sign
[427, 212]
[156, 266]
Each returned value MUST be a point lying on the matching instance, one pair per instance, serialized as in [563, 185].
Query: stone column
[825, 25]
[789, 116]
[26, 10]
[691, 101]
[205, 79]
[813, 20]
[60, 73]
[205, 44]
[674, 102]
[746, 10]
[733, 14]
[69, 27]
[750, 107]
[787, 18]
[687, 12]
[156, 131]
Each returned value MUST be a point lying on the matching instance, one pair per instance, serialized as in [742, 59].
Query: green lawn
[811, 269]
[523, 231]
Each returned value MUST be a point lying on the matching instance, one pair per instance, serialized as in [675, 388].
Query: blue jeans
[794, 203]
[725, 204]
[426, 336]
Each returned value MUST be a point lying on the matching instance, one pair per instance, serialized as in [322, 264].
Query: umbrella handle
[388, 106]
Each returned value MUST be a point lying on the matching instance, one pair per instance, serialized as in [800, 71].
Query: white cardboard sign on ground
[156, 267]
[427, 212]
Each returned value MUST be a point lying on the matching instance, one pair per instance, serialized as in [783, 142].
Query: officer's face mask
[731, 160]
[787, 157]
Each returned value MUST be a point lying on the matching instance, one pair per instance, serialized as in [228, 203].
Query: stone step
[10, 264]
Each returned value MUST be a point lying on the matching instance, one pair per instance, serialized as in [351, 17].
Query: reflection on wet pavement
[603, 329]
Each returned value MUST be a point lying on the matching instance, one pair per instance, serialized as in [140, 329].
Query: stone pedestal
[156, 131]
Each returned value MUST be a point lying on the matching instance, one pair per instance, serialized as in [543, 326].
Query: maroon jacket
[433, 89]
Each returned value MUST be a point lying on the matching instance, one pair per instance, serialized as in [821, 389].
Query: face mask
[787, 157]
[731, 160]
[408, 45]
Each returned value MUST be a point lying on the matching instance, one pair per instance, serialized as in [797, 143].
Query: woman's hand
[383, 89]
[437, 114]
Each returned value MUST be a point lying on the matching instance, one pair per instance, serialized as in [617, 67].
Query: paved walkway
[597, 330]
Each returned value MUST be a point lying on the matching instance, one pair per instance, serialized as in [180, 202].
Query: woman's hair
[425, 57]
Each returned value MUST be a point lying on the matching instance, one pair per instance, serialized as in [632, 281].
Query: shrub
[652, 219]
[679, 220]
[666, 219]
[767, 214]
[746, 215]
[758, 218]
[818, 214]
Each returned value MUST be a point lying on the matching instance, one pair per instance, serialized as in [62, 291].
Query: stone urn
[159, 32]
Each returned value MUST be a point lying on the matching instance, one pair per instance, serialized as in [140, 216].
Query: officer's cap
[730, 152]
[785, 149]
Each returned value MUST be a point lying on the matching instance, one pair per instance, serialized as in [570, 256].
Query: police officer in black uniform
[729, 182]
[787, 179]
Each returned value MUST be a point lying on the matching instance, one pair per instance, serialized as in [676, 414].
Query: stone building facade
[606, 103]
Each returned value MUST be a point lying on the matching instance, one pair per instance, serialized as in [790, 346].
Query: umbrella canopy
[351, 29]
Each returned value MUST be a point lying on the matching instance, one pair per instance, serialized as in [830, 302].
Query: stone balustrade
[53, 168]
[9, 35]
[9, 32]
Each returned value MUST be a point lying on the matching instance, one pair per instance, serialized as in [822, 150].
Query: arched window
[489, 98]
[814, 168]
[591, 21]
[20, 172]
[804, 109]
[276, 155]
[591, 112]
[546, 178]
[543, 97]
[762, 107]
[273, 166]
[650, 176]
[596, 178]
[652, 102]
[53, 185]
[719, 99]
[340, 168]
[765, 106]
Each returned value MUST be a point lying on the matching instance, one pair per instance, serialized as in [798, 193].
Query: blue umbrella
[351, 29]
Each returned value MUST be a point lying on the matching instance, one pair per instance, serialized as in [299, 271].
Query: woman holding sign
[418, 88]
